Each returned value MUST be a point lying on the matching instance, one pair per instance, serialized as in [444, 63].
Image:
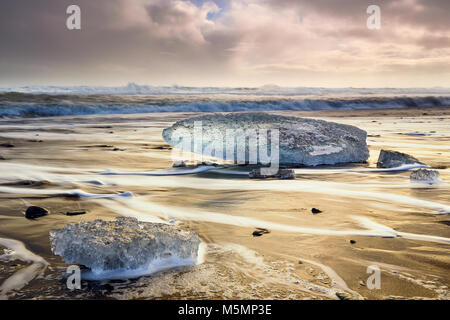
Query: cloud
[225, 42]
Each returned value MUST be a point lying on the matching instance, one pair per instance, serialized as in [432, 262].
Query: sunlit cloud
[226, 42]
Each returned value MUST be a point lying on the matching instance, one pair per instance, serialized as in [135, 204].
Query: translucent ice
[125, 246]
[301, 141]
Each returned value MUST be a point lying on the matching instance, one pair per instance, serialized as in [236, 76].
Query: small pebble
[35, 212]
[75, 213]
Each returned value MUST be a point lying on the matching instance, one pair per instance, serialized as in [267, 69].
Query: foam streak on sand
[18, 280]
[141, 209]
[319, 187]
[173, 172]
[310, 186]
[63, 193]
[339, 282]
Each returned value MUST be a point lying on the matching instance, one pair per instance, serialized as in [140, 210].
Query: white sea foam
[142, 209]
[17, 250]
[136, 89]
[154, 266]
[353, 190]
[62, 192]
[71, 100]
[171, 172]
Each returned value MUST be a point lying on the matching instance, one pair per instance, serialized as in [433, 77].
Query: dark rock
[259, 232]
[425, 175]
[31, 183]
[163, 147]
[75, 213]
[188, 163]
[179, 164]
[34, 212]
[7, 145]
[2, 158]
[315, 210]
[282, 174]
[98, 146]
[393, 159]
[343, 296]
[352, 241]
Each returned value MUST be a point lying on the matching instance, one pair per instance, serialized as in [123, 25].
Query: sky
[294, 43]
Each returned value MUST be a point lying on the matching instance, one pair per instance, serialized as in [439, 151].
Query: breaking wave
[65, 101]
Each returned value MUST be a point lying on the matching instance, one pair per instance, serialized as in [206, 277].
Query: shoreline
[68, 152]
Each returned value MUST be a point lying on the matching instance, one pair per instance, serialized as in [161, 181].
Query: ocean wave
[269, 89]
[14, 105]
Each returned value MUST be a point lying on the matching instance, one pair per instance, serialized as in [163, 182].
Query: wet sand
[305, 255]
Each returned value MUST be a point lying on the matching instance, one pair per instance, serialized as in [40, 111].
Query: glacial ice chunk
[425, 176]
[300, 141]
[125, 246]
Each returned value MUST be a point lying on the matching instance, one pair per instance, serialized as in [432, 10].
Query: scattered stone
[208, 163]
[28, 183]
[98, 146]
[393, 159]
[301, 141]
[7, 145]
[282, 174]
[300, 262]
[259, 232]
[352, 241]
[2, 158]
[343, 296]
[34, 212]
[425, 175]
[315, 211]
[179, 164]
[124, 244]
[188, 163]
[75, 213]
[361, 283]
[103, 127]
[163, 147]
